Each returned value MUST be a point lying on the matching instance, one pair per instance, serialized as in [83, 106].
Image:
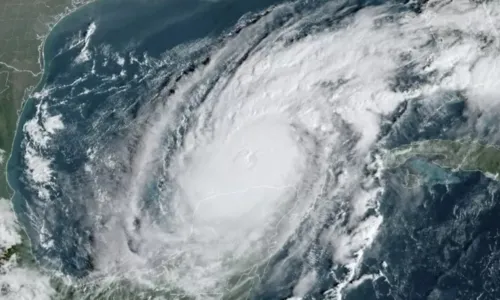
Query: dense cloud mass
[250, 165]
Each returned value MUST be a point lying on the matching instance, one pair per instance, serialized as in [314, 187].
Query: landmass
[24, 24]
[459, 155]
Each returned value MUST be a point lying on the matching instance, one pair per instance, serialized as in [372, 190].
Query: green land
[457, 155]
[24, 24]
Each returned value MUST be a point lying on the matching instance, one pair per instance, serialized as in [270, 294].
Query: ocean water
[232, 150]
[148, 28]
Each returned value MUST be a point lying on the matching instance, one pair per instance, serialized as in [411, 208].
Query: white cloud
[21, 283]
[2, 156]
[9, 231]
[260, 156]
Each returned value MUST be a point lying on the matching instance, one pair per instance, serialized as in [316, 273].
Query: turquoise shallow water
[108, 64]
[151, 27]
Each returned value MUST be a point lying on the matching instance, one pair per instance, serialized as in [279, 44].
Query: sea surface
[145, 107]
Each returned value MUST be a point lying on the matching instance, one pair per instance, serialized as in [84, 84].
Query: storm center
[243, 176]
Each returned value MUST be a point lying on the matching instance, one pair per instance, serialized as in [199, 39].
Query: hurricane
[250, 163]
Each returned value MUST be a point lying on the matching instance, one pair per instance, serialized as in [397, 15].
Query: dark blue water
[440, 237]
[126, 26]
[438, 241]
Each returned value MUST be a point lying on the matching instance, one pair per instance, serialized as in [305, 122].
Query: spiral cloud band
[237, 156]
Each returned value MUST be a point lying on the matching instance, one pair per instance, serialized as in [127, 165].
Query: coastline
[27, 108]
[49, 55]
[43, 72]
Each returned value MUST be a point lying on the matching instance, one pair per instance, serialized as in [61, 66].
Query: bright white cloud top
[265, 146]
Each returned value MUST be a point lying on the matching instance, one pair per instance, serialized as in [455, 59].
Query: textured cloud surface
[263, 146]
